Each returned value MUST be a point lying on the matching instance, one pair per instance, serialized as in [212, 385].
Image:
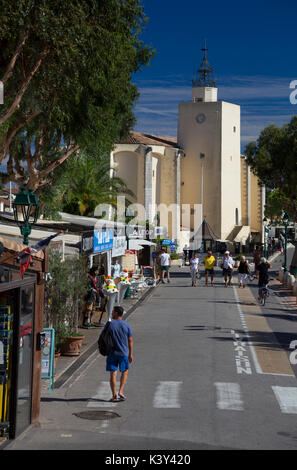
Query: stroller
[149, 275]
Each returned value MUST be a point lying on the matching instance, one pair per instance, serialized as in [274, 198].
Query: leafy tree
[67, 69]
[273, 158]
[274, 206]
[65, 294]
[86, 183]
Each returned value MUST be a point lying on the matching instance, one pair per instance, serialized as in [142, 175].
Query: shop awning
[138, 244]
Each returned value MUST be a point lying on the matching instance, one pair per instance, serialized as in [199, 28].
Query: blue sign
[103, 241]
[168, 242]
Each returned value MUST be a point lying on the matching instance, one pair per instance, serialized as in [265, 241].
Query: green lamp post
[286, 219]
[25, 211]
[266, 230]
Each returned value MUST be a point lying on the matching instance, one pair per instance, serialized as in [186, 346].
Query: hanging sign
[103, 241]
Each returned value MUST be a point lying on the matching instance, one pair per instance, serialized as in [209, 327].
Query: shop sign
[103, 241]
[87, 243]
[119, 246]
[137, 231]
[168, 242]
[48, 353]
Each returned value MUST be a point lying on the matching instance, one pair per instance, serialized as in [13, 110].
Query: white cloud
[263, 101]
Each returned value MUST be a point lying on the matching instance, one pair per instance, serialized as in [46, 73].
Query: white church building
[201, 175]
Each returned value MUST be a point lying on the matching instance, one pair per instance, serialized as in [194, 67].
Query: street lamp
[266, 231]
[286, 219]
[25, 211]
[202, 156]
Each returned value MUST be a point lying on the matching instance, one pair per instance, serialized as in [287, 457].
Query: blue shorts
[113, 362]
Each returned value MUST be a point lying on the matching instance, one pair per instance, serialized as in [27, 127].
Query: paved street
[211, 371]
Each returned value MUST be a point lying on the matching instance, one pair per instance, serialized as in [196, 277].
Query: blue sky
[252, 49]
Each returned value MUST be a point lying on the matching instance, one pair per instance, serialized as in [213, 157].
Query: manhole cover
[97, 414]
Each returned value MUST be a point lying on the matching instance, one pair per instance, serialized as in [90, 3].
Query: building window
[236, 216]
[234, 129]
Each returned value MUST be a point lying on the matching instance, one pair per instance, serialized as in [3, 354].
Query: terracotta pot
[71, 345]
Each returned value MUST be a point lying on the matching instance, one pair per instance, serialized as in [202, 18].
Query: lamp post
[25, 211]
[202, 156]
[266, 230]
[286, 219]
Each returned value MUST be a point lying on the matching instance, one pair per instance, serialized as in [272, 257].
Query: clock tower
[209, 134]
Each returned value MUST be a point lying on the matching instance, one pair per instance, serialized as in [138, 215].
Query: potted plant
[65, 293]
[237, 260]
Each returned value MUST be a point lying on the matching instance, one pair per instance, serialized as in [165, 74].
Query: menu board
[48, 353]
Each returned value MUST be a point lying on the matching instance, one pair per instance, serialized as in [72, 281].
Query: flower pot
[71, 345]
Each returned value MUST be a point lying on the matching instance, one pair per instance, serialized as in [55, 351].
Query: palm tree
[87, 183]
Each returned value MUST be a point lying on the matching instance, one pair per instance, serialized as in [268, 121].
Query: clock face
[200, 118]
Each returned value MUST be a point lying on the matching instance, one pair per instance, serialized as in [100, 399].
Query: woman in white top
[227, 265]
[194, 268]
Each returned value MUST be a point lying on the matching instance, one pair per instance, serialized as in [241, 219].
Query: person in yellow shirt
[209, 262]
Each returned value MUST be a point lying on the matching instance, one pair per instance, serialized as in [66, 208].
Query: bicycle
[263, 294]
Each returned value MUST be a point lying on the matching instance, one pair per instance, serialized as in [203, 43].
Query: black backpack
[106, 342]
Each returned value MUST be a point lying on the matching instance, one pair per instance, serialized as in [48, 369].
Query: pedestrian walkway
[67, 365]
[229, 396]
[194, 371]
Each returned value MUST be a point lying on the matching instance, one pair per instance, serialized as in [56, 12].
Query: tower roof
[204, 76]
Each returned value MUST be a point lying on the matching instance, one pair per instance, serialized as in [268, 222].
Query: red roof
[148, 139]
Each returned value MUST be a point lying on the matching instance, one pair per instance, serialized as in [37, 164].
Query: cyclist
[262, 269]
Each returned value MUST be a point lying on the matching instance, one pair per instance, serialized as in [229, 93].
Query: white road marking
[102, 397]
[167, 395]
[287, 398]
[242, 361]
[229, 396]
[246, 331]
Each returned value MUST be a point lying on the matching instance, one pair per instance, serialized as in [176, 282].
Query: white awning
[138, 244]
[134, 245]
[145, 242]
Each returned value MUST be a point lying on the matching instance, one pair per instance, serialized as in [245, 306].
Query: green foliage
[274, 206]
[273, 158]
[65, 294]
[82, 183]
[70, 84]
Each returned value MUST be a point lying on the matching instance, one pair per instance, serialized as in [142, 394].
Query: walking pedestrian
[165, 262]
[93, 291]
[263, 268]
[256, 259]
[158, 266]
[122, 355]
[228, 266]
[194, 268]
[185, 250]
[209, 262]
[243, 271]
[281, 242]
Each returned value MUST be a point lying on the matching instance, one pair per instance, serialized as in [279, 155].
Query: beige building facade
[150, 165]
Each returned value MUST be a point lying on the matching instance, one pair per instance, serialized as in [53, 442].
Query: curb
[67, 373]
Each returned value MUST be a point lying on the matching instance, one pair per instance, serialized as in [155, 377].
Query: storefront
[97, 245]
[21, 321]
[118, 251]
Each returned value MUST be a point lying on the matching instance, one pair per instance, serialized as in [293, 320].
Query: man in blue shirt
[122, 355]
